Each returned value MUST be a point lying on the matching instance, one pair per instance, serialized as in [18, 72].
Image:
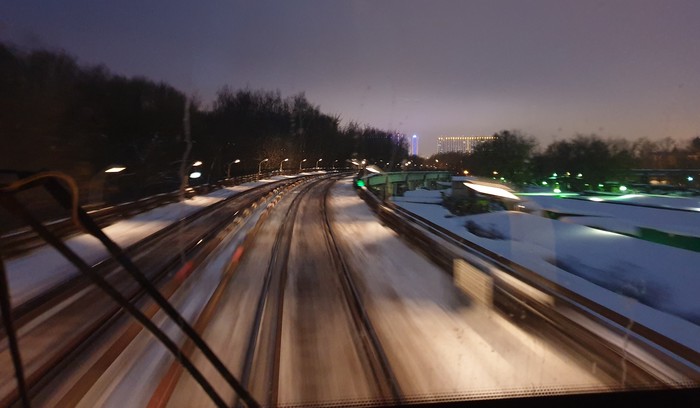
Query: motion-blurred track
[306, 299]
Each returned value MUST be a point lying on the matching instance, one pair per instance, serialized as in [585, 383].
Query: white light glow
[492, 191]
[115, 169]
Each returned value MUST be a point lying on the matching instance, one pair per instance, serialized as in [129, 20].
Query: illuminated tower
[414, 145]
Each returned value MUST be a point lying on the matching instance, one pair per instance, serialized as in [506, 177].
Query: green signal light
[360, 183]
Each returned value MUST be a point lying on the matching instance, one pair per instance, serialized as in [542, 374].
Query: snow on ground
[625, 212]
[654, 284]
[45, 267]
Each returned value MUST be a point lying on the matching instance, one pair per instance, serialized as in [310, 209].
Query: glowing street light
[300, 164]
[317, 162]
[97, 182]
[228, 172]
[260, 165]
[197, 163]
[282, 162]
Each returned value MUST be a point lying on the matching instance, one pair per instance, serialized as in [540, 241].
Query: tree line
[581, 161]
[56, 114]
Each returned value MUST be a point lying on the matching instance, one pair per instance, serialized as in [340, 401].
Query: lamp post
[301, 163]
[260, 165]
[282, 162]
[228, 172]
[317, 162]
[195, 173]
[97, 182]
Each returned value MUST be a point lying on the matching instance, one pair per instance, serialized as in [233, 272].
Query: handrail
[15, 243]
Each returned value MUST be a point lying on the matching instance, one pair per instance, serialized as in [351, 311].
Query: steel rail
[74, 395]
[267, 322]
[166, 386]
[79, 338]
[116, 295]
[372, 346]
[47, 299]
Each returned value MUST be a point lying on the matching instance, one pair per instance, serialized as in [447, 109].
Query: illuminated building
[462, 144]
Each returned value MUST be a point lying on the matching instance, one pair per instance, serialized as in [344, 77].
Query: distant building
[414, 145]
[462, 144]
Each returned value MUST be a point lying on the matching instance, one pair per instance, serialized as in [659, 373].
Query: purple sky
[548, 68]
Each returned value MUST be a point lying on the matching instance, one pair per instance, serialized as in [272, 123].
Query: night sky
[551, 69]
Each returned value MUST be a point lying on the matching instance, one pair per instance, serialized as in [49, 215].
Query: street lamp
[301, 163]
[282, 162]
[98, 181]
[228, 172]
[317, 162]
[260, 164]
[195, 174]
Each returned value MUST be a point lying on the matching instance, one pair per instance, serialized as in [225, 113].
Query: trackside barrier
[473, 282]
[17, 242]
[66, 197]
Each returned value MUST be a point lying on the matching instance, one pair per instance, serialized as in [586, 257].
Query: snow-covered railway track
[56, 325]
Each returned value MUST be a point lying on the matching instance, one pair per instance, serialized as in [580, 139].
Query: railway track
[20, 241]
[381, 368]
[58, 324]
[316, 317]
[304, 326]
[283, 312]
